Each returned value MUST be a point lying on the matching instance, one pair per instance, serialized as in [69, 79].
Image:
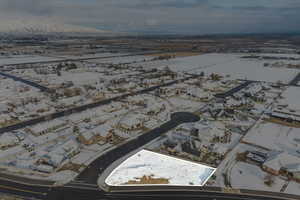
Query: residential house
[46, 127]
[133, 123]
[95, 135]
[8, 140]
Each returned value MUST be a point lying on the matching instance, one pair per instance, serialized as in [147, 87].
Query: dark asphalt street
[90, 174]
[83, 108]
[27, 82]
[80, 59]
[233, 90]
[154, 195]
[295, 80]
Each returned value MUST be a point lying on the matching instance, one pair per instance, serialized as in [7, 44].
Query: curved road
[90, 174]
[88, 189]
[29, 188]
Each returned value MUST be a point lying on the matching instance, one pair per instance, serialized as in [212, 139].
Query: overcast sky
[162, 16]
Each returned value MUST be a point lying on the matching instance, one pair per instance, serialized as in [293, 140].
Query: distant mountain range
[41, 27]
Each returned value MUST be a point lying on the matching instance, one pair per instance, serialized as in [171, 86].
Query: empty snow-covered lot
[158, 166]
[246, 176]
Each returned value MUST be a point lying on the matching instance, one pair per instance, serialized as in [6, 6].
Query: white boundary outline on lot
[165, 156]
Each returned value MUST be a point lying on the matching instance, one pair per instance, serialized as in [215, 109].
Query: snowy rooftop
[150, 168]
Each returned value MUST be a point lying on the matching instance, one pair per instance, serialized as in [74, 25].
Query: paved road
[67, 193]
[90, 174]
[27, 82]
[88, 190]
[78, 194]
[83, 107]
[81, 59]
[295, 81]
[10, 187]
[9, 181]
[29, 181]
[233, 90]
[197, 195]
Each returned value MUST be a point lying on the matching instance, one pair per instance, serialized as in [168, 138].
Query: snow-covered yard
[274, 137]
[293, 188]
[246, 176]
[291, 98]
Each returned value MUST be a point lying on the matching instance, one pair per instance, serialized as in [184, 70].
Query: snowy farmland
[25, 59]
[124, 59]
[233, 65]
[90, 56]
[158, 169]
[19, 59]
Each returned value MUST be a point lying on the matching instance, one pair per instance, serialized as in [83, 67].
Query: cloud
[33, 7]
[176, 16]
[144, 4]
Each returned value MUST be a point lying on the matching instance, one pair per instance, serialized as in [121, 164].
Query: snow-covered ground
[148, 163]
[293, 188]
[125, 59]
[187, 105]
[233, 65]
[88, 56]
[246, 176]
[291, 98]
[77, 78]
[274, 137]
[25, 59]
[18, 59]
[291, 55]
